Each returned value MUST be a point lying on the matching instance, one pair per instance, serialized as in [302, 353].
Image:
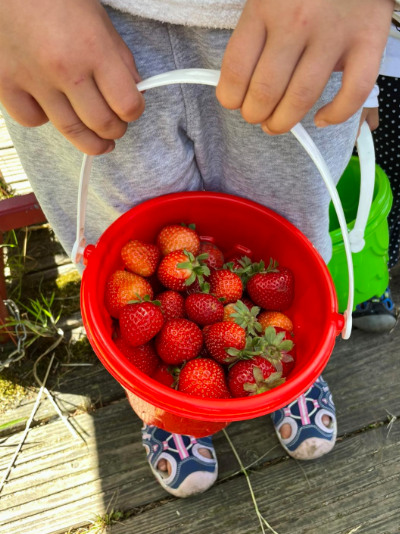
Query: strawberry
[140, 257]
[140, 321]
[275, 347]
[203, 308]
[172, 304]
[219, 337]
[215, 258]
[166, 374]
[178, 237]
[196, 287]
[123, 287]
[226, 285]
[179, 269]
[276, 319]
[230, 308]
[246, 318]
[203, 377]
[272, 290]
[179, 340]
[250, 377]
[144, 357]
[288, 363]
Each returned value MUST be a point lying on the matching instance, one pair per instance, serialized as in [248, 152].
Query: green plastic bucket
[371, 274]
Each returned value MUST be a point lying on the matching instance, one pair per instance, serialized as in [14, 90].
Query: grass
[42, 305]
[100, 523]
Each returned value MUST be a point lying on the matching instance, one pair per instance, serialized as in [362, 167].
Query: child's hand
[282, 53]
[63, 61]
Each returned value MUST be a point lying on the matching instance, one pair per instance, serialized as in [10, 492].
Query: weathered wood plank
[78, 390]
[355, 487]
[60, 482]
[121, 459]
[48, 491]
[5, 140]
[10, 164]
[13, 172]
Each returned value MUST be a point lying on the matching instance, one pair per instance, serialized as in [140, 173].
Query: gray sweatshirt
[204, 13]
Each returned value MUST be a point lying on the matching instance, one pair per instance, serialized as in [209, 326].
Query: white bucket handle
[353, 242]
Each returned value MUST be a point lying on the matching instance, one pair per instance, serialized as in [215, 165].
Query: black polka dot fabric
[387, 148]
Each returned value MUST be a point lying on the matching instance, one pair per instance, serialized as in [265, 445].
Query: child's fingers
[60, 112]
[271, 77]
[118, 87]
[304, 89]
[22, 107]
[359, 75]
[92, 109]
[240, 58]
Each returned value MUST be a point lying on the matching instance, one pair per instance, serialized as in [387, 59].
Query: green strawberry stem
[246, 318]
[251, 349]
[261, 384]
[274, 347]
[199, 269]
[146, 298]
[249, 268]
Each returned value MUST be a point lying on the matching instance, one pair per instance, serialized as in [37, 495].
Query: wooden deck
[60, 482]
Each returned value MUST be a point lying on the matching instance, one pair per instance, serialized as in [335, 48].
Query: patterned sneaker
[309, 437]
[191, 472]
[376, 315]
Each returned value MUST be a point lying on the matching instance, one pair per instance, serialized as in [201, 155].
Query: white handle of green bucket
[211, 77]
[366, 153]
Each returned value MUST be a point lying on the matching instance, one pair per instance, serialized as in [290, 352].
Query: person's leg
[379, 313]
[238, 158]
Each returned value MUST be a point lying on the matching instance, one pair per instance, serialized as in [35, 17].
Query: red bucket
[235, 223]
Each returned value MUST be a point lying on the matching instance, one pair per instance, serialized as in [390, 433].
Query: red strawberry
[179, 269]
[196, 287]
[172, 304]
[140, 258]
[140, 321]
[122, 287]
[203, 308]
[203, 377]
[221, 336]
[179, 340]
[272, 290]
[215, 258]
[288, 363]
[166, 374]
[226, 285]
[250, 377]
[178, 237]
[144, 357]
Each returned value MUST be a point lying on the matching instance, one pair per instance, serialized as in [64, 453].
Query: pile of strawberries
[206, 325]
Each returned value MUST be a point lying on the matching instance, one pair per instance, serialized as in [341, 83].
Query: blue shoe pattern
[191, 473]
[377, 314]
[309, 437]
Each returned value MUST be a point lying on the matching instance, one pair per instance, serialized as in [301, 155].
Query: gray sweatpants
[185, 141]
